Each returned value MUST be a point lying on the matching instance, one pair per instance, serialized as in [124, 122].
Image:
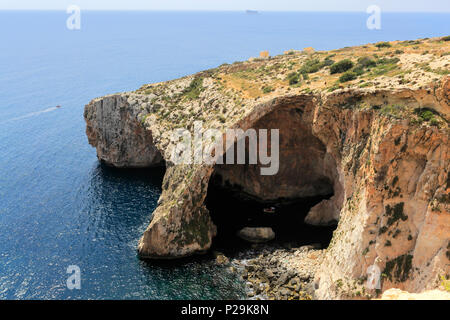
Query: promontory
[367, 124]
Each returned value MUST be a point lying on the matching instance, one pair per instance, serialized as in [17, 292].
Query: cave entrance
[239, 196]
[232, 211]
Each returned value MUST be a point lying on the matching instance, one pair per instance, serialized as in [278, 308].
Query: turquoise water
[58, 206]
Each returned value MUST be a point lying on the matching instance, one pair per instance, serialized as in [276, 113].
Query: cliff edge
[369, 123]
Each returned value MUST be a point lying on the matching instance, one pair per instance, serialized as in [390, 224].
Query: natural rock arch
[368, 149]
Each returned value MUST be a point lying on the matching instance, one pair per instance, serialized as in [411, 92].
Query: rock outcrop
[274, 272]
[379, 144]
[257, 235]
[120, 139]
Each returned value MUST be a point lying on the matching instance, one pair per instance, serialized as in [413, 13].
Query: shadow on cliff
[238, 193]
[232, 210]
[153, 175]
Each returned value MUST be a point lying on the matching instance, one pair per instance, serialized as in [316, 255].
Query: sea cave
[239, 196]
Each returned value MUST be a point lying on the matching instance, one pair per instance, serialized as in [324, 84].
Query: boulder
[222, 259]
[256, 235]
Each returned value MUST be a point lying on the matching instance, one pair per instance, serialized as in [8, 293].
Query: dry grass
[249, 79]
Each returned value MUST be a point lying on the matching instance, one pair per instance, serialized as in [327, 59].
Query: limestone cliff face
[395, 213]
[381, 150]
[181, 225]
[119, 137]
[293, 117]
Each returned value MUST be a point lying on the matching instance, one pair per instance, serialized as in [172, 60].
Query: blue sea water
[58, 205]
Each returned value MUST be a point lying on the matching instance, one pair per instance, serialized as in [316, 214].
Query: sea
[59, 207]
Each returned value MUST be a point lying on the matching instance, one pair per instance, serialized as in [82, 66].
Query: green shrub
[358, 70]
[446, 38]
[366, 84]
[366, 62]
[383, 45]
[341, 66]
[385, 65]
[313, 65]
[195, 88]
[267, 89]
[328, 62]
[293, 78]
[434, 122]
[388, 60]
[395, 213]
[382, 230]
[348, 76]
[334, 87]
[399, 268]
[426, 115]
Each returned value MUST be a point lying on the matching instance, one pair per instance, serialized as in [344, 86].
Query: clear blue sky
[263, 5]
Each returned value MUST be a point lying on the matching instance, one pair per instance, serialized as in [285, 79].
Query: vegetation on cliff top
[239, 86]
[395, 60]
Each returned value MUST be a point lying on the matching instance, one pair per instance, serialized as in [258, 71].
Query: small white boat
[269, 210]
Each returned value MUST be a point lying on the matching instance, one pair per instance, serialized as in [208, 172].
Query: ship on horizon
[251, 12]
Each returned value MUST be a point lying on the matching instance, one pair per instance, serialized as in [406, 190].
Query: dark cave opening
[231, 210]
[239, 195]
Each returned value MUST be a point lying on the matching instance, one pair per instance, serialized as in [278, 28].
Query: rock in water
[256, 235]
[221, 258]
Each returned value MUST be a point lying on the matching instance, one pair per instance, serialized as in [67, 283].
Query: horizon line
[208, 10]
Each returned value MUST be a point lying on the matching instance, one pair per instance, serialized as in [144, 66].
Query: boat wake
[31, 114]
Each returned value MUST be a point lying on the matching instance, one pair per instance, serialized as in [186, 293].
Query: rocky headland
[366, 128]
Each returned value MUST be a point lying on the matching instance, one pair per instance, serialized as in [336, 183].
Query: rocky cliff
[367, 124]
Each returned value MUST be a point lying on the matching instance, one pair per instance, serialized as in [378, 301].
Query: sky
[235, 5]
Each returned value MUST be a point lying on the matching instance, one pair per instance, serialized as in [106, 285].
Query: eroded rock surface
[379, 143]
[120, 139]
